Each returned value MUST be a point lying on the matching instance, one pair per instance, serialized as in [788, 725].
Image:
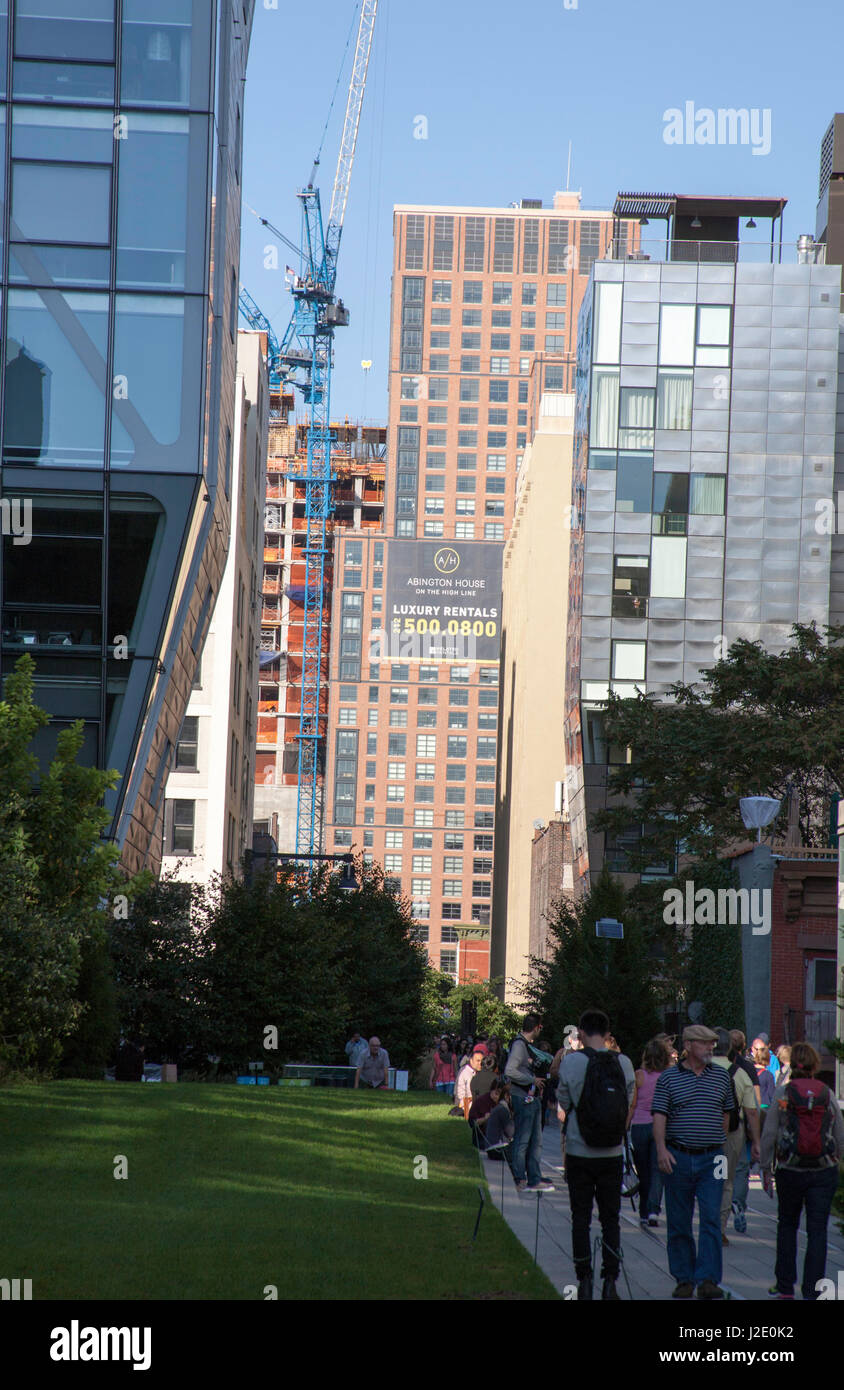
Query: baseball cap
[696, 1032]
[480, 1047]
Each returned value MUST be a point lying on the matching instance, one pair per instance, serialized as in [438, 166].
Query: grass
[231, 1189]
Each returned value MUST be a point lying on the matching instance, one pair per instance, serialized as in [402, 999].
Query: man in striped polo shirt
[691, 1109]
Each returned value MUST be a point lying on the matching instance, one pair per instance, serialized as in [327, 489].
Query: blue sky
[504, 88]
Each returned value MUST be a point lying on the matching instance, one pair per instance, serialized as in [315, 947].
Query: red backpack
[806, 1132]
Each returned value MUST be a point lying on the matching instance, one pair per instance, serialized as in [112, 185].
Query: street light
[758, 811]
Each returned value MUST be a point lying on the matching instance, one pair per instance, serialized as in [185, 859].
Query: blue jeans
[446, 1087]
[650, 1178]
[693, 1179]
[815, 1188]
[741, 1181]
[527, 1140]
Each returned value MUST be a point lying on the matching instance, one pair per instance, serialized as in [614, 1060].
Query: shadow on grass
[227, 1191]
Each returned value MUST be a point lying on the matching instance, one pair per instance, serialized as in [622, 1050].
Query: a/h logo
[446, 560]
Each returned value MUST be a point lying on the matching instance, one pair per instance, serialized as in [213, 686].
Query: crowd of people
[689, 1123]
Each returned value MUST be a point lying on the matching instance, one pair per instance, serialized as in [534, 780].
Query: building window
[470, 390]
[394, 815]
[398, 695]
[427, 697]
[499, 342]
[456, 796]
[455, 820]
[458, 697]
[473, 290]
[421, 887]
[394, 839]
[443, 243]
[426, 745]
[186, 748]
[423, 794]
[486, 747]
[414, 246]
[410, 388]
[395, 792]
[405, 528]
[347, 716]
[465, 506]
[485, 773]
[499, 366]
[392, 863]
[499, 391]
[398, 718]
[451, 912]
[426, 772]
[433, 528]
[474, 254]
[395, 772]
[453, 864]
[422, 839]
[707, 494]
[421, 863]
[493, 531]
[438, 388]
[441, 291]
[470, 341]
[458, 719]
[423, 818]
[481, 889]
[441, 316]
[182, 832]
[628, 661]
[396, 745]
[448, 962]
[484, 820]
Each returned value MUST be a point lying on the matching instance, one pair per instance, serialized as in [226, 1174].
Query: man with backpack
[746, 1110]
[691, 1108]
[594, 1092]
[804, 1134]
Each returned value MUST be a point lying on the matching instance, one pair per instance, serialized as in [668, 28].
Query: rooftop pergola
[686, 215]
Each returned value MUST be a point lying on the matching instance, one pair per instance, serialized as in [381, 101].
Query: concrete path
[542, 1222]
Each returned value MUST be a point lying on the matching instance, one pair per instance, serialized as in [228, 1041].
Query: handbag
[629, 1176]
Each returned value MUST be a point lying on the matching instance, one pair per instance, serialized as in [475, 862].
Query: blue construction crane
[304, 359]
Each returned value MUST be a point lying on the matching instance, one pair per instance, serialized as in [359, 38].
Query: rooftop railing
[802, 252]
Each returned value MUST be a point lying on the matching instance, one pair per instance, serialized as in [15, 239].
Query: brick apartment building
[485, 304]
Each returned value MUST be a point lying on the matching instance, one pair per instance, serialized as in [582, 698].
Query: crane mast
[305, 360]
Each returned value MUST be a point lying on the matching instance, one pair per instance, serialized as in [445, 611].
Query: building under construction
[358, 461]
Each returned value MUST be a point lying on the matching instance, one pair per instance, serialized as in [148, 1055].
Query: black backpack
[603, 1105]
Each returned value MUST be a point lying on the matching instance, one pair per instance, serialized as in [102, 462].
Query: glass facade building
[121, 205]
[705, 441]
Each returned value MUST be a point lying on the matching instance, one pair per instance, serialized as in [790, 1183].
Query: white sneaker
[542, 1186]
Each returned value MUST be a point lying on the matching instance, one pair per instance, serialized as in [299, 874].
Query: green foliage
[158, 956]
[206, 971]
[55, 875]
[493, 1016]
[715, 963]
[585, 971]
[756, 723]
[90, 1047]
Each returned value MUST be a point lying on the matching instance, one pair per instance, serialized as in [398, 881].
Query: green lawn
[230, 1189]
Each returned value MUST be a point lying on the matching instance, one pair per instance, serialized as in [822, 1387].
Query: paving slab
[542, 1222]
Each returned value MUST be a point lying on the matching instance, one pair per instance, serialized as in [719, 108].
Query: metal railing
[804, 252]
[810, 1025]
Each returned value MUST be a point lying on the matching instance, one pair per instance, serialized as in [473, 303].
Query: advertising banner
[443, 601]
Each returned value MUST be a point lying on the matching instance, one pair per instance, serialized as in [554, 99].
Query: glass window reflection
[55, 378]
[64, 81]
[73, 29]
[54, 132]
[152, 231]
[157, 364]
[60, 203]
[157, 52]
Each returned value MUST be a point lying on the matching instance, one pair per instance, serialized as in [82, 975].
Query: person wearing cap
[374, 1067]
[691, 1115]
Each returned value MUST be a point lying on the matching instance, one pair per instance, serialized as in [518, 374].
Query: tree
[715, 963]
[158, 955]
[56, 876]
[756, 723]
[586, 971]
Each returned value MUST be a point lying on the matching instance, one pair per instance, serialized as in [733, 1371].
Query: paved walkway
[543, 1222]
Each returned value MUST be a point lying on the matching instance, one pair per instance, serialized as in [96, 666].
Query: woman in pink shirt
[656, 1058]
[442, 1072]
